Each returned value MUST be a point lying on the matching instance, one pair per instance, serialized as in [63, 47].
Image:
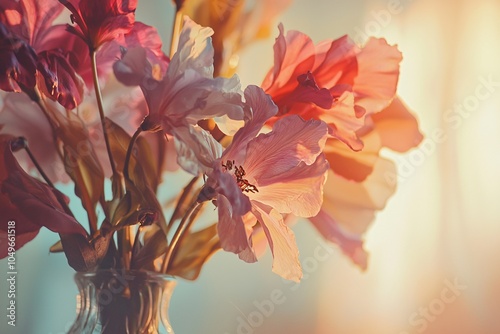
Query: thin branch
[177, 235]
[98, 96]
[129, 153]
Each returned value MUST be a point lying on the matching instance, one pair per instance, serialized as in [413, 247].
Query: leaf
[79, 252]
[136, 206]
[82, 165]
[194, 250]
[85, 255]
[142, 165]
[154, 247]
[57, 247]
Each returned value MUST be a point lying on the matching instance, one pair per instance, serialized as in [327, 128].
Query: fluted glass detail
[116, 302]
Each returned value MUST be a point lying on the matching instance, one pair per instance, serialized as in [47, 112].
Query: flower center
[239, 173]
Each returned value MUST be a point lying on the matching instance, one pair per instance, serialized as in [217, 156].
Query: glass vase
[116, 302]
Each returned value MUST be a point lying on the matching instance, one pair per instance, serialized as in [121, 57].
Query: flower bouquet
[98, 103]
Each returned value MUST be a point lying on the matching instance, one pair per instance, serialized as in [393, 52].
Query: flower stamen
[239, 173]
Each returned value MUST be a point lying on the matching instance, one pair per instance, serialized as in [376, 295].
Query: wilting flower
[100, 21]
[17, 63]
[25, 28]
[259, 178]
[186, 94]
[30, 203]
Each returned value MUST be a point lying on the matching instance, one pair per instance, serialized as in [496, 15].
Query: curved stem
[181, 201]
[98, 96]
[38, 167]
[129, 153]
[160, 137]
[192, 218]
[177, 235]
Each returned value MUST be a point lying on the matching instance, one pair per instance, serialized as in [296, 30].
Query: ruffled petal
[351, 165]
[195, 51]
[196, 149]
[259, 108]
[397, 127]
[353, 204]
[293, 55]
[350, 244]
[291, 142]
[378, 74]
[335, 62]
[298, 191]
[343, 119]
[134, 69]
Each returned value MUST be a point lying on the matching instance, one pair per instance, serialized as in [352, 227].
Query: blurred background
[434, 250]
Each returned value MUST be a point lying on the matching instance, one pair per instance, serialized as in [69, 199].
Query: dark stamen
[239, 172]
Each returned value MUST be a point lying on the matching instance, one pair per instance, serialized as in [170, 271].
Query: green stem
[177, 236]
[181, 201]
[160, 137]
[192, 218]
[129, 153]
[98, 96]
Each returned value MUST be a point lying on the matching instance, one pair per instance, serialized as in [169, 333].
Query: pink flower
[334, 81]
[101, 21]
[30, 203]
[186, 94]
[259, 178]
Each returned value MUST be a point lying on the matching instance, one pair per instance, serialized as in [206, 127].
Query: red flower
[335, 81]
[100, 21]
[28, 202]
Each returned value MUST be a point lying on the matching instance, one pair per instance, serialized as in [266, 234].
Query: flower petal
[22, 117]
[343, 119]
[299, 190]
[231, 229]
[195, 51]
[196, 149]
[350, 244]
[293, 55]
[291, 142]
[378, 73]
[335, 62]
[353, 204]
[397, 127]
[259, 108]
[353, 165]
[60, 81]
